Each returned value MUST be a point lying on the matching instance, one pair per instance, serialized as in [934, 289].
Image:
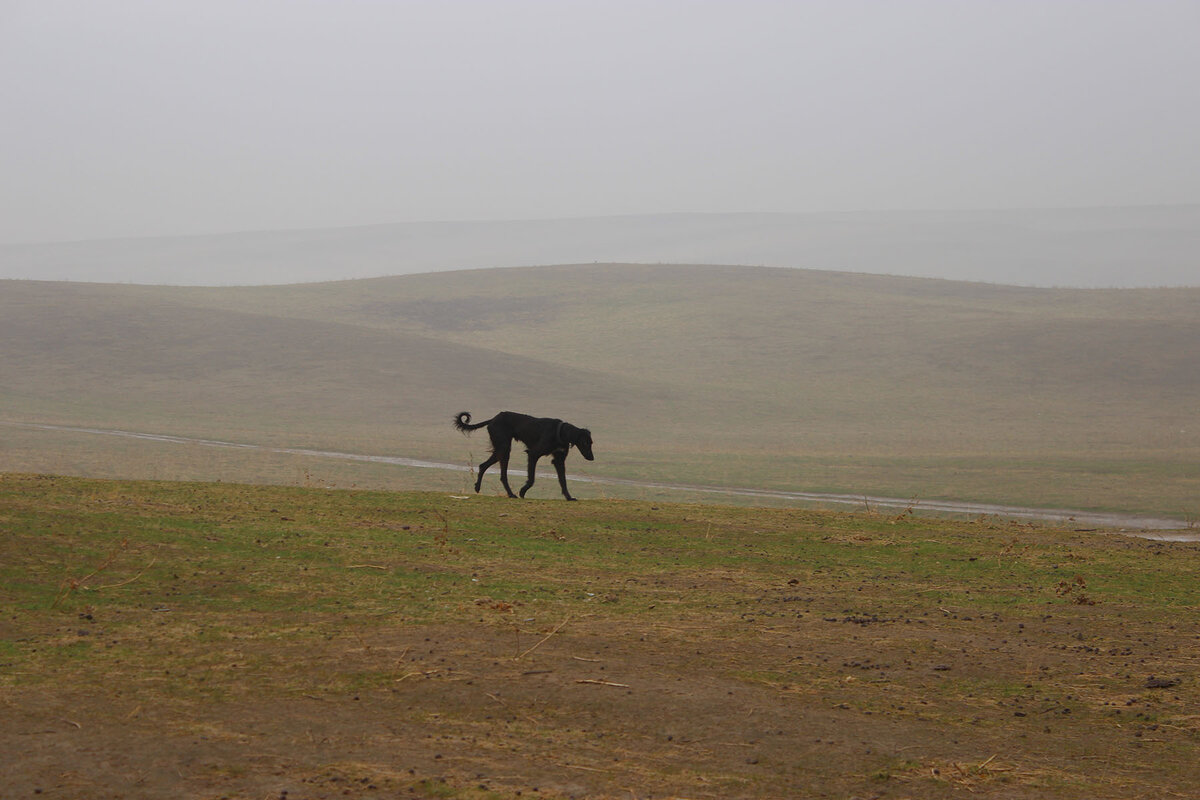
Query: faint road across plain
[1145, 526]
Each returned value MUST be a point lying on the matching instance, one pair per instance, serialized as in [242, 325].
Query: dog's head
[583, 441]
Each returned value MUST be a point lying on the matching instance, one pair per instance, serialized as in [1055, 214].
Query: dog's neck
[558, 433]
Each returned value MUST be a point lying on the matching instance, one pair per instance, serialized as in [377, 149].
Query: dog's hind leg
[482, 469]
[532, 473]
[504, 473]
[560, 466]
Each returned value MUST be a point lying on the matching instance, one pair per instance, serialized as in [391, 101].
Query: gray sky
[130, 118]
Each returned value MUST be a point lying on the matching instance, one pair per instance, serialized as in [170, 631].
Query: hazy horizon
[1084, 248]
[134, 119]
[569, 218]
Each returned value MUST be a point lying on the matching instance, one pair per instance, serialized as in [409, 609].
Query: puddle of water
[1165, 536]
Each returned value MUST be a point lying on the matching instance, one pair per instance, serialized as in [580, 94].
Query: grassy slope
[154, 360]
[231, 631]
[781, 378]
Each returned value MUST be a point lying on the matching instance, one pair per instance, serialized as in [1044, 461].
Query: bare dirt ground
[591, 710]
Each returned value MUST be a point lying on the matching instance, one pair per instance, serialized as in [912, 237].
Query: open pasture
[220, 640]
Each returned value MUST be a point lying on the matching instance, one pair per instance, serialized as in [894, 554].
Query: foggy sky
[150, 118]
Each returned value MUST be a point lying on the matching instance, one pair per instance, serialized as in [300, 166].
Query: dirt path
[1158, 528]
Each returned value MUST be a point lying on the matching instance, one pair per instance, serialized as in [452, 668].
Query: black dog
[541, 437]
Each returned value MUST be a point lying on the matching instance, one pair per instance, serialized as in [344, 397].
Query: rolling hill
[762, 377]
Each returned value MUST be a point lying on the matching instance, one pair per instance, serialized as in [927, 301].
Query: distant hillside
[747, 376]
[1103, 247]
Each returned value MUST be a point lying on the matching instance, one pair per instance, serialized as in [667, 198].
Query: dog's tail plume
[462, 422]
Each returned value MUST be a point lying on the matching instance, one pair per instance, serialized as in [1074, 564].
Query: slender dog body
[542, 436]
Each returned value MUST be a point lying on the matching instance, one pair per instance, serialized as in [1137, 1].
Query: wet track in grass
[1146, 526]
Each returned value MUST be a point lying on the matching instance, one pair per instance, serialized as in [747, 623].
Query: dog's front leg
[533, 459]
[560, 466]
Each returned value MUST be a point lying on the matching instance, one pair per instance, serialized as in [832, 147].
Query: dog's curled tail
[462, 421]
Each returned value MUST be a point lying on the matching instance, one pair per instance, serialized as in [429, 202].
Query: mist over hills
[758, 377]
[1096, 247]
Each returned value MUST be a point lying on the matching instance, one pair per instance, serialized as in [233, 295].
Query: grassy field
[207, 640]
[768, 378]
